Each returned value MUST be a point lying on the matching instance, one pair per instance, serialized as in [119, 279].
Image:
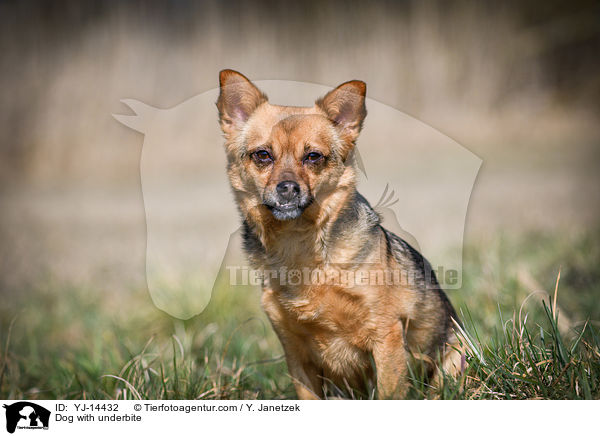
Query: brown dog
[342, 292]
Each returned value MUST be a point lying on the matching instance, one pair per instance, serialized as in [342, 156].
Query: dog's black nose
[288, 190]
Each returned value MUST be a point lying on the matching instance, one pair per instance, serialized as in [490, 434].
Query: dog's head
[282, 159]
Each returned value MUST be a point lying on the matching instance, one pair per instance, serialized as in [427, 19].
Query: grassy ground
[76, 343]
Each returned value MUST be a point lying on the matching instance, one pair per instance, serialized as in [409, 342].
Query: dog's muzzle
[287, 202]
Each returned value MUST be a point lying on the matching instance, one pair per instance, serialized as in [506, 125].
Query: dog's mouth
[287, 211]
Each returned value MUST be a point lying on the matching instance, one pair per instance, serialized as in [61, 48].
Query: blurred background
[515, 82]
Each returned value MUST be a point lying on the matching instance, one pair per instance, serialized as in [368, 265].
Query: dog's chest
[330, 323]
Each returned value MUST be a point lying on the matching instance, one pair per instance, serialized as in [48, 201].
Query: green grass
[72, 343]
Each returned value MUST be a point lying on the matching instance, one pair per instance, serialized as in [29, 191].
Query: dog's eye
[262, 156]
[313, 157]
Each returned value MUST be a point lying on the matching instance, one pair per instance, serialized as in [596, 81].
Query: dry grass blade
[556, 294]
[133, 389]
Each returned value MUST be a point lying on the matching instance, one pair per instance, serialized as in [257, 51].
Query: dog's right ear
[238, 98]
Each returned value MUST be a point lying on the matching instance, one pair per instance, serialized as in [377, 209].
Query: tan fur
[330, 332]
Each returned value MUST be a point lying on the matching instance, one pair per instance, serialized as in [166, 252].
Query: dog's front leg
[305, 376]
[390, 358]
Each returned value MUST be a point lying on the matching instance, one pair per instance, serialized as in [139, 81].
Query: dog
[293, 177]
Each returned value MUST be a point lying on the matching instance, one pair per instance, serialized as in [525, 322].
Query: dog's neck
[326, 233]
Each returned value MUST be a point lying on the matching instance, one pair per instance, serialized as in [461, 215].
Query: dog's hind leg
[452, 362]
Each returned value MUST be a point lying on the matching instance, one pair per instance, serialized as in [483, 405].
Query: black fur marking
[250, 242]
[425, 278]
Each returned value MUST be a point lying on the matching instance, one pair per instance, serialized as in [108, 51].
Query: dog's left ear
[238, 98]
[345, 106]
